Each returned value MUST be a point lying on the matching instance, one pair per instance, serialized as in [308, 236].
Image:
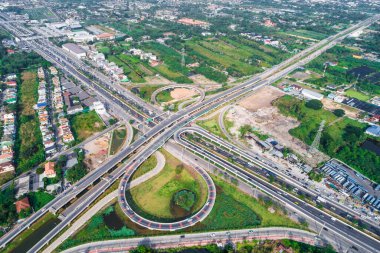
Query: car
[228, 233]
[250, 232]
[182, 236]
[333, 218]
[212, 235]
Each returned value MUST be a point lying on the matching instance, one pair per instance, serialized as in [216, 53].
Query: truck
[320, 199]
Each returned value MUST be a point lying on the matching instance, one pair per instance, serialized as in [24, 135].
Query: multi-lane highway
[219, 156]
[159, 133]
[197, 239]
[268, 167]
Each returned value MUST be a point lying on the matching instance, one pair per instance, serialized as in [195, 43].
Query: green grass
[164, 96]
[357, 94]
[145, 167]
[28, 146]
[118, 138]
[97, 230]
[224, 60]
[39, 199]
[86, 124]
[309, 34]
[145, 92]
[335, 140]
[154, 196]
[212, 126]
[235, 209]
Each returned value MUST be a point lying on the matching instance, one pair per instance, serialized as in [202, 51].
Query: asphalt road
[167, 226]
[358, 238]
[160, 132]
[272, 169]
[175, 241]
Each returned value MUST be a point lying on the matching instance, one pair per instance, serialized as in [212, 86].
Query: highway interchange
[157, 134]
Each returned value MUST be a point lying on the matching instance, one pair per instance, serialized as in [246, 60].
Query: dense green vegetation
[29, 150]
[341, 73]
[145, 167]
[185, 199]
[97, 229]
[8, 213]
[85, 124]
[117, 140]
[153, 198]
[39, 199]
[79, 170]
[341, 140]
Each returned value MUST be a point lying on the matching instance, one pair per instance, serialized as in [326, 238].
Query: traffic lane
[354, 235]
[199, 216]
[263, 171]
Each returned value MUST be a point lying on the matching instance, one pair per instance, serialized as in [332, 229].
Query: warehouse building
[309, 94]
[74, 49]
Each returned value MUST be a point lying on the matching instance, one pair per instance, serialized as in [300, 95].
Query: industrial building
[309, 94]
[74, 50]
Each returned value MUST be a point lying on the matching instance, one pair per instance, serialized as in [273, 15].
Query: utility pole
[183, 57]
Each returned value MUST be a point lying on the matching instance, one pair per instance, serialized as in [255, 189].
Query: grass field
[235, 209]
[154, 196]
[118, 138]
[145, 167]
[308, 34]
[39, 199]
[97, 229]
[164, 96]
[224, 60]
[145, 92]
[86, 124]
[212, 126]
[357, 94]
[341, 140]
[28, 147]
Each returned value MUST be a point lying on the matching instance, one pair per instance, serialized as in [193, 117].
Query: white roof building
[74, 49]
[309, 94]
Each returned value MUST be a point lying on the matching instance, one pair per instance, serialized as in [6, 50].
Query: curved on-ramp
[199, 90]
[167, 226]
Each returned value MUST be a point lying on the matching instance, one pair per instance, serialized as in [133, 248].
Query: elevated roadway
[341, 229]
[197, 239]
[162, 131]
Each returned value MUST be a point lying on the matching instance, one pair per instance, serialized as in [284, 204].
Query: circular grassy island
[175, 193]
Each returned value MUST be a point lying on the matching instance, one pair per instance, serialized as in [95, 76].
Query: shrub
[339, 112]
[314, 104]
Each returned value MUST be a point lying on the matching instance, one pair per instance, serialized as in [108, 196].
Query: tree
[339, 112]
[314, 104]
[40, 170]
[76, 172]
[184, 199]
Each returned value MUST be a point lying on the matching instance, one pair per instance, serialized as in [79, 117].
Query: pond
[36, 236]
[372, 145]
[113, 221]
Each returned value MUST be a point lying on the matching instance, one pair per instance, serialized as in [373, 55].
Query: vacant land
[29, 150]
[117, 140]
[154, 196]
[341, 139]
[39, 199]
[212, 126]
[261, 98]
[145, 167]
[104, 225]
[357, 94]
[86, 124]
[145, 92]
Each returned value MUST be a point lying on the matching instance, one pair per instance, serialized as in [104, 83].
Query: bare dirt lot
[182, 93]
[201, 80]
[97, 151]
[261, 99]
[258, 112]
[331, 105]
